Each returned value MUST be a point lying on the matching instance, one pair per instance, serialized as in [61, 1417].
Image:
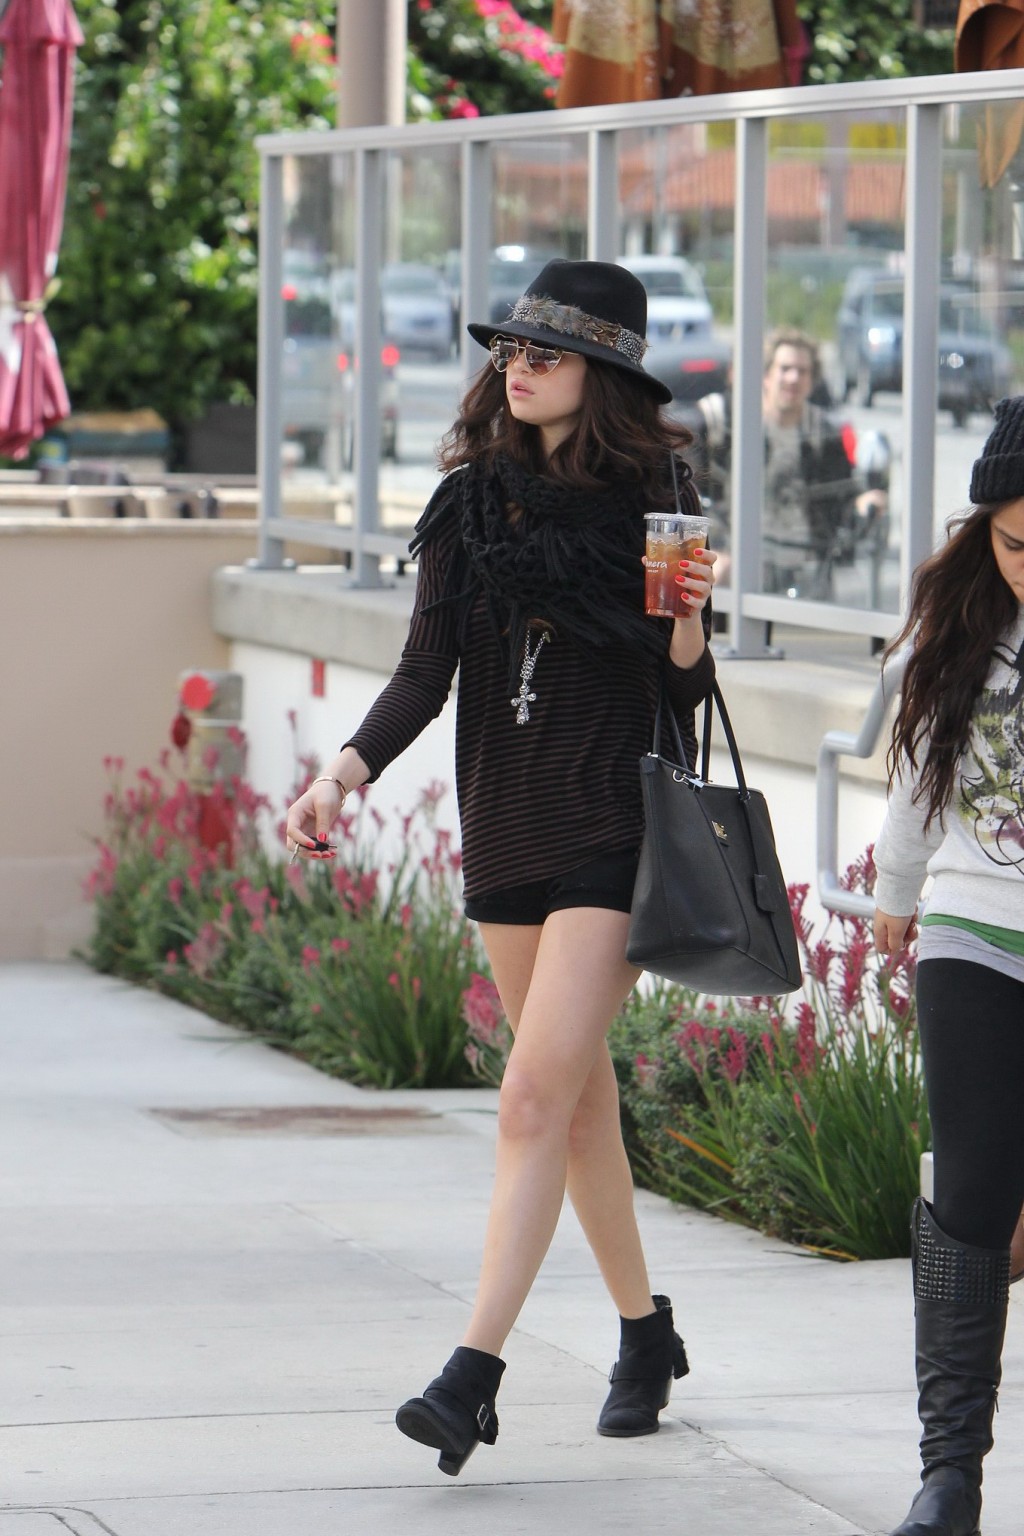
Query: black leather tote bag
[710, 908]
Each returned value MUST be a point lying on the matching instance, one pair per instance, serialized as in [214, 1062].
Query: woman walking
[531, 582]
[956, 811]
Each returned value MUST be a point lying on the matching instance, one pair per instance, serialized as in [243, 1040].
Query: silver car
[417, 309]
[677, 304]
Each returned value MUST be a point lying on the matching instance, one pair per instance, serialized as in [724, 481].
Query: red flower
[646, 1071]
[204, 951]
[807, 1049]
[855, 960]
[734, 1061]
[181, 730]
[819, 960]
[481, 1008]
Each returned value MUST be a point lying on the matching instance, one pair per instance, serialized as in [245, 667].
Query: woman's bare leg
[600, 1186]
[1017, 1250]
[562, 986]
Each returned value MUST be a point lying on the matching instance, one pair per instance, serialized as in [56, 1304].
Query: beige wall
[97, 621]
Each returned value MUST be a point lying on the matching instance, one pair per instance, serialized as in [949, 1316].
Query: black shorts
[606, 881]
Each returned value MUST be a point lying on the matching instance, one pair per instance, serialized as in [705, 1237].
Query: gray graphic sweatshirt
[975, 854]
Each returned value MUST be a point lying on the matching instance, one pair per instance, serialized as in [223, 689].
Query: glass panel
[317, 364]
[981, 325]
[833, 357]
[419, 316]
[539, 205]
[678, 220]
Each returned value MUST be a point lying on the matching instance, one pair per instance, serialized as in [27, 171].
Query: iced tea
[671, 537]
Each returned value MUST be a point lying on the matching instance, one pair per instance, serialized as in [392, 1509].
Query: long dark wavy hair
[960, 606]
[621, 435]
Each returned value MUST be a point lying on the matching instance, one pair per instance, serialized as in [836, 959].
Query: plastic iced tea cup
[671, 537]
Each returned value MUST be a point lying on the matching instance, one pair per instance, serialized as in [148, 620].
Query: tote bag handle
[665, 711]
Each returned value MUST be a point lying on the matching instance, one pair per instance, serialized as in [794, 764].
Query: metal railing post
[268, 363]
[921, 334]
[602, 195]
[747, 489]
[476, 248]
[366, 443]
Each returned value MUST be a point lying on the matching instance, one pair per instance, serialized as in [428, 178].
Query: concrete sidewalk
[207, 1322]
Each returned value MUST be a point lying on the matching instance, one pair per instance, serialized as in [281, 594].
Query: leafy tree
[158, 266]
[473, 57]
[879, 40]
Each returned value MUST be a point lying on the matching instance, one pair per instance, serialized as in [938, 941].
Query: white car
[677, 304]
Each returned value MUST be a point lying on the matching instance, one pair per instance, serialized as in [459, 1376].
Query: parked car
[691, 368]
[511, 271]
[677, 304]
[317, 390]
[417, 308]
[975, 369]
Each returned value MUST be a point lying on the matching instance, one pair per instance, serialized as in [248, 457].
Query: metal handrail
[837, 744]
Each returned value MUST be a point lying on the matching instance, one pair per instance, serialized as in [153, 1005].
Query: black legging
[972, 1037]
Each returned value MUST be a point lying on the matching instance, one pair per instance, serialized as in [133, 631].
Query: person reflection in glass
[815, 509]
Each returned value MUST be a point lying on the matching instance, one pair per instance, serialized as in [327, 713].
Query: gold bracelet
[328, 778]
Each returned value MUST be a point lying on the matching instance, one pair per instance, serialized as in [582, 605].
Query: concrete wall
[98, 618]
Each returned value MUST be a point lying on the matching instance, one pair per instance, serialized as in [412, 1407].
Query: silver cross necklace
[521, 704]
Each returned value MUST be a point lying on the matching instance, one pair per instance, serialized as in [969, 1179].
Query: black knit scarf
[538, 550]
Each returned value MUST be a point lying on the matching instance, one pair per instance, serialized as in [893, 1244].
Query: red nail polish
[684, 563]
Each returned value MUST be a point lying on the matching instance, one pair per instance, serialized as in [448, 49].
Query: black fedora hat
[592, 307]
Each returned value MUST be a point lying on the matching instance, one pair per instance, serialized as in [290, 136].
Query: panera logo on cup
[671, 537]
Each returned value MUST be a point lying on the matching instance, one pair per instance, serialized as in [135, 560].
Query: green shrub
[358, 968]
[809, 1127]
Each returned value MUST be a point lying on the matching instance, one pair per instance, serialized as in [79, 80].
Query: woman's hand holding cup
[695, 579]
[674, 582]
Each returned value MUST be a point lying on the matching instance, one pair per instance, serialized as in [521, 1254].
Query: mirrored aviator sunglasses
[538, 360]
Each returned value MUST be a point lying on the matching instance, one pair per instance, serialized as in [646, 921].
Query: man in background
[815, 509]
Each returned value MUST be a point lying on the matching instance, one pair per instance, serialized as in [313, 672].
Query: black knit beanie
[999, 474]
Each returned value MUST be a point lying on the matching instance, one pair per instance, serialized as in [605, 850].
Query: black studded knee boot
[960, 1296]
[651, 1354]
[456, 1411]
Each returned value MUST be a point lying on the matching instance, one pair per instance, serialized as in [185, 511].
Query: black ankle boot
[650, 1355]
[960, 1296]
[456, 1411]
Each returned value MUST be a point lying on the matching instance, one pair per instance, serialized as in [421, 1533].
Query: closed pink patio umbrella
[38, 38]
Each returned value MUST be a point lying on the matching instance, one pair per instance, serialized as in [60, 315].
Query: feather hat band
[594, 308]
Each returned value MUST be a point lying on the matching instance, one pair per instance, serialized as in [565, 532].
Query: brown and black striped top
[540, 798]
